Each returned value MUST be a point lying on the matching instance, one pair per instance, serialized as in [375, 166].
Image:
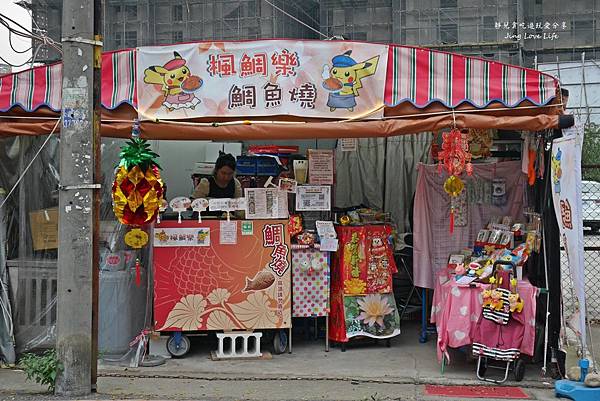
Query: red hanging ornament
[454, 157]
[138, 272]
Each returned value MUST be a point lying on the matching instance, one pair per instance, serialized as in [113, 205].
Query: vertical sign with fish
[212, 288]
[327, 79]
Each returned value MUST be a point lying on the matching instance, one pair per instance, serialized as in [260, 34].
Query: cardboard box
[44, 228]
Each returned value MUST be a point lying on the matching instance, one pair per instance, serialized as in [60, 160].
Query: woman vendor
[222, 184]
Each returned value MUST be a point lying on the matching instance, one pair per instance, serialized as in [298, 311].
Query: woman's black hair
[225, 160]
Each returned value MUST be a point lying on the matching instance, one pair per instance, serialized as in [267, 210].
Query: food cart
[221, 275]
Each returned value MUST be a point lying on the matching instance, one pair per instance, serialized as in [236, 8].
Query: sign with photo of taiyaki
[161, 208]
[180, 205]
[200, 205]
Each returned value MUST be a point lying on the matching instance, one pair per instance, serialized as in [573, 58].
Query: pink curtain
[433, 242]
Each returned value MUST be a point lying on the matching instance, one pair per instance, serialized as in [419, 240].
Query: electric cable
[296, 19]
[29, 165]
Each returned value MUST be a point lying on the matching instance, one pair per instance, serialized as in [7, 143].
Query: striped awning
[415, 75]
[31, 89]
[42, 86]
[422, 76]
[118, 79]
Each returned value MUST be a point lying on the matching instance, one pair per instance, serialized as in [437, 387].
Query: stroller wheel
[519, 370]
[482, 367]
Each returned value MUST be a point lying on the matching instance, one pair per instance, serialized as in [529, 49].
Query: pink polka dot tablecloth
[456, 311]
[310, 280]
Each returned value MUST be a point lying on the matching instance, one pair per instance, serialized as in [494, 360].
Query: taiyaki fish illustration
[263, 280]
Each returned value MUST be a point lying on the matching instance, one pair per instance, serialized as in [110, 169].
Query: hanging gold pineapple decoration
[137, 190]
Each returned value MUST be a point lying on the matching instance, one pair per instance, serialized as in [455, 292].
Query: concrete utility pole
[79, 195]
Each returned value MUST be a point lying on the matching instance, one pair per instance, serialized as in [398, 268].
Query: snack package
[455, 260]
[507, 239]
[482, 237]
[295, 226]
[495, 237]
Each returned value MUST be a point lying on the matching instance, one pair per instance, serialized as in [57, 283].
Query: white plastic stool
[233, 351]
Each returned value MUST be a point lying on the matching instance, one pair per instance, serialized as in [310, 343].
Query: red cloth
[370, 251]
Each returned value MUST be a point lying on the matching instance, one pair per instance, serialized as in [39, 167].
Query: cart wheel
[280, 342]
[181, 349]
[519, 370]
[482, 367]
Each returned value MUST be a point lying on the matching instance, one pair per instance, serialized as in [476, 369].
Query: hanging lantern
[454, 157]
[137, 190]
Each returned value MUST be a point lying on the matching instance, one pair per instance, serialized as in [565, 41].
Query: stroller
[499, 331]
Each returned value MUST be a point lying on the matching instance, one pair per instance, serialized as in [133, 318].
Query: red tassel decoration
[138, 273]
[451, 220]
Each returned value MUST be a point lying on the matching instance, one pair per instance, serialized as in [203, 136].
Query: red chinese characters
[255, 65]
[273, 237]
[565, 214]
[285, 63]
[222, 65]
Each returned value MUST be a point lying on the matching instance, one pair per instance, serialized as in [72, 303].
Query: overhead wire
[16, 184]
[26, 33]
[296, 19]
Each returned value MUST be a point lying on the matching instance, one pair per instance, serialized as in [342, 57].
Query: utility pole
[79, 195]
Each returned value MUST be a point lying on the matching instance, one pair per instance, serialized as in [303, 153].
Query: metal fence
[591, 223]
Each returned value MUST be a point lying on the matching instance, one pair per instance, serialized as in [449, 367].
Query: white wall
[178, 158]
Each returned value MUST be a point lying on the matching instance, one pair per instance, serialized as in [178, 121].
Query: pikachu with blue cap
[343, 79]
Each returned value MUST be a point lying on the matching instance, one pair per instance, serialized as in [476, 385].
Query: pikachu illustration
[343, 79]
[178, 83]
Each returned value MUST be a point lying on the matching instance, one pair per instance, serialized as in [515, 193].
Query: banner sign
[182, 237]
[326, 79]
[566, 192]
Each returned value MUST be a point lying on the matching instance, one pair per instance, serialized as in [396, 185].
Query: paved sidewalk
[13, 387]
[366, 371]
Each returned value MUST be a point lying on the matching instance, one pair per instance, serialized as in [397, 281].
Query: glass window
[447, 3]
[131, 12]
[118, 40]
[177, 36]
[583, 31]
[177, 13]
[489, 32]
[130, 39]
[448, 33]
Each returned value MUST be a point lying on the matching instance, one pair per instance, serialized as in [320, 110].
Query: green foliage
[591, 153]
[137, 152]
[42, 368]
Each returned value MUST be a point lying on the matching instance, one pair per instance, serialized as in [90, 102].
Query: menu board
[266, 203]
[320, 167]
